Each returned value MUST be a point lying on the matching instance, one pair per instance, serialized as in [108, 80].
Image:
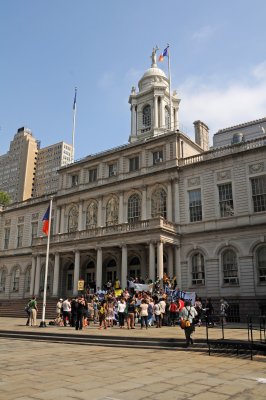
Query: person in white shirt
[66, 307]
[188, 313]
[121, 307]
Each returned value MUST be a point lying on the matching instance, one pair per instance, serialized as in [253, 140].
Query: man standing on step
[33, 311]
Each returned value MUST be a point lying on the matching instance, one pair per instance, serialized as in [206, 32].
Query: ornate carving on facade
[20, 220]
[193, 181]
[255, 168]
[112, 208]
[34, 216]
[91, 215]
[222, 175]
[158, 203]
[8, 222]
[73, 219]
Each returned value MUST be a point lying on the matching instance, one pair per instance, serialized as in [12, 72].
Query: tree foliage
[4, 198]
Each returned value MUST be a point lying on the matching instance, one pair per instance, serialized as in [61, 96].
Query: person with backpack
[187, 316]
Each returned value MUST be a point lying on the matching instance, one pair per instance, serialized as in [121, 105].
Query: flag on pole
[75, 99]
[46, 222]
[164, 54]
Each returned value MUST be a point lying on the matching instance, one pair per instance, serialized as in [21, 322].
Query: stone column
[169, 202]
[121, 218]
[57, 226]
[37, 276]
[160, 259]
[80, 219]
[178, 267]
[162, 114]
[99, 268]
[176, 203]
[133, 120]
[156, 112]
[170, 264]
[76, 272]
[62, 220]
[124, 267]
[151, 262]
[56, 274]
[144, 204]
[32, 274]
[99, 217]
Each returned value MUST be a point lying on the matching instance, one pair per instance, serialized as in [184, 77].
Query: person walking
[188, 314]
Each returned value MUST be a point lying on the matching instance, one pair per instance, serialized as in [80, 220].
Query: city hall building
[161, 203]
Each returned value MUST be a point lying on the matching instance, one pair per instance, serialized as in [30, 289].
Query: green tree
[4, 198]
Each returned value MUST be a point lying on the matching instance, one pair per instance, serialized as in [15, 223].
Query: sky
[103, 47]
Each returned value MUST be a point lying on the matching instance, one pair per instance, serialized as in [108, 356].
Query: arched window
[167, 117]
[27, 279]
[229, 267]
[73, 219]
[91, 215]
[261, 263]
[158, 204]
[198, 269]
[112, 212]
[2, 280]
[15, 280]
[146, 116]
[134, 207]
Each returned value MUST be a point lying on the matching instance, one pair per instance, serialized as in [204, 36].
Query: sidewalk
[231, 331]
[32, 370]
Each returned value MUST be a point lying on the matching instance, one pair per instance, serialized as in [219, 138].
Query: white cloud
[203, 33]
[221, 106]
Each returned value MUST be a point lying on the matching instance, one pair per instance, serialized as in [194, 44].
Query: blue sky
[218, 65]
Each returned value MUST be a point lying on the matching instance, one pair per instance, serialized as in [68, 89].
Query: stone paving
[48, 371]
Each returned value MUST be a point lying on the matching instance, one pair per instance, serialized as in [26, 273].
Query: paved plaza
[47, 371]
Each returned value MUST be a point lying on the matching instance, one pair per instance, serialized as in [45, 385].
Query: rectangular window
[112, 169]
[133, 164]
[74, 180]
[258, 186]
[93, 175]
[157, 157]
[20, 236]
[226, 200]
[34, 230]
[7, 236]
[195, 206]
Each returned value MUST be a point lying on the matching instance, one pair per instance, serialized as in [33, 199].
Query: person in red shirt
[173, 310]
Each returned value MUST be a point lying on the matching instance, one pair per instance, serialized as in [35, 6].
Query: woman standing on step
[33, 311]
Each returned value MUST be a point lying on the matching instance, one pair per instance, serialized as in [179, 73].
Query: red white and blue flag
[46, 222]
[164, 54]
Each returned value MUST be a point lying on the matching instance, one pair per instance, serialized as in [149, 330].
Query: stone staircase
[15, 308]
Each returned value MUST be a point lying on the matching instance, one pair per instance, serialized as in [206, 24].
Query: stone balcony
[151, 225]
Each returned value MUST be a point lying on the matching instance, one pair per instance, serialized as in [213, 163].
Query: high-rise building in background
[17, 166]
[28, 171]
[49, 160]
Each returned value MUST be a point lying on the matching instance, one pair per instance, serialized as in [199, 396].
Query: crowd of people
[130, 308]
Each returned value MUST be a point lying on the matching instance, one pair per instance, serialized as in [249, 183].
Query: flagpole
[169, 78]
[74, 125]
[43, 324]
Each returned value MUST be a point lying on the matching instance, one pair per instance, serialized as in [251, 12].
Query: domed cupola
[150, 107]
